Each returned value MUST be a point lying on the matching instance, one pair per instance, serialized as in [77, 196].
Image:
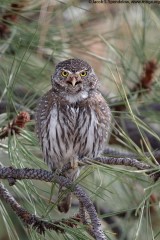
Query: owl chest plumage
[71, 131]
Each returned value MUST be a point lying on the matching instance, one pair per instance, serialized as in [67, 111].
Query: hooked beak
[73, 81]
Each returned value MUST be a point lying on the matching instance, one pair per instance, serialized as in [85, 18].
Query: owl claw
[58, 172]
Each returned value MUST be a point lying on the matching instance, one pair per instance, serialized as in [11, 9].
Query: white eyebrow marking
[66, 70]
[81, 71]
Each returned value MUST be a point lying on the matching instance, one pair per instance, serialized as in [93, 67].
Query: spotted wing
[103, 115]
[42, 113]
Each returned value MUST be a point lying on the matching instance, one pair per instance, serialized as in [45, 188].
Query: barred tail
[66, 196]
[65, 203]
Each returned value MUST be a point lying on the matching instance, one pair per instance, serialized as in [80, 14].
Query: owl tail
[65, 203]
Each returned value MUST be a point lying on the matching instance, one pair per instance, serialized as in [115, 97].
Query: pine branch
[39, 174]
[128, 162]
[117, 153]
[30, 219]
[123, 161]
[86, 204]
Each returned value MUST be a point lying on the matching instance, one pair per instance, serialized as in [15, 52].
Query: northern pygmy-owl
[72, 119]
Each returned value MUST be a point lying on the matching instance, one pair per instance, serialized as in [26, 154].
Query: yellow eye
[83, 74]
[64, 73]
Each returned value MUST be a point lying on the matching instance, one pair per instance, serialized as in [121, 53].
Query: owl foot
[70, 165]
[58, 172]
[74, 163]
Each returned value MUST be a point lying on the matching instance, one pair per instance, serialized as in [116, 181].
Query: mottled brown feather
[72, 121]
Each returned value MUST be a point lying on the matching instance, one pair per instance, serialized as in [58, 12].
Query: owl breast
[71, 132]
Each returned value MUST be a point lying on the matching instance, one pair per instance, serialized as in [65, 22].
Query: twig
[45, 18]
[39, 174]
[82, 213]
[116, 153]
[131, 162]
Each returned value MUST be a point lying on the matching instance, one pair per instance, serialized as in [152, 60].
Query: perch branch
[82, 213]
[130, 162]
[39, 174]
[85, 203]
[83, 218]
[123, 161]
[116, 153]
[30, 219]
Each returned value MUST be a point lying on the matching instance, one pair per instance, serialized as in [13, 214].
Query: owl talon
[58, 172]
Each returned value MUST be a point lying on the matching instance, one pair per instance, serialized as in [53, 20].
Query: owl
[72, 120]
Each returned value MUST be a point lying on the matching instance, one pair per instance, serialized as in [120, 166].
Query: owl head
[74, 76]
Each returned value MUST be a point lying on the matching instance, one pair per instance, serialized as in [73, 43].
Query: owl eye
[83, 74]
[64, 73]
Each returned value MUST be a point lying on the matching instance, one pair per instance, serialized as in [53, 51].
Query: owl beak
[73, 81]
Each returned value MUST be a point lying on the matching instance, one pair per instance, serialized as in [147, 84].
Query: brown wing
[42, 112]
[103, 112]
[93, 125]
